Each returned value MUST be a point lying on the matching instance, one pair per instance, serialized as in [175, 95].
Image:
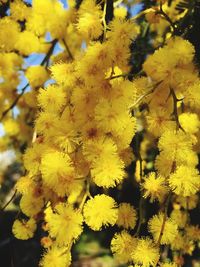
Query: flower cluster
[93, 119]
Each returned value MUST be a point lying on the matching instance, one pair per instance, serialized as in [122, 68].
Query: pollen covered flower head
[127, 216]
[89, 22]
[64, 223]
[170, 229]
[55, 256]
[100, 211]
[146, 253]
[122, 245]
[24, 229]
[36, 75]
[52, 98]
[185, 181]
[154, 187]
[57, 171]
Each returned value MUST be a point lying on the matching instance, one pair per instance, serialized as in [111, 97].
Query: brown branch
[49, 53]
[10, 200]
[161, 12]
[14, 102]
[175, 109]
[68, 50]
[164, 218]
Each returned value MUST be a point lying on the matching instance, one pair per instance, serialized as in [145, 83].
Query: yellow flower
[56, 256]
[52, 98]
[169, 232]
[27, 43]
[11, 127]
[180, 217]
[30, 204]
[32, 158]
[57, 171]
[19, 11]
[24, 229]
[64, 224]
[185, 181]
[100, 211]
[154, 187]
[145, 253]
[122, 245]
[189, 122]
[101, 174]
[127, 216]
[89, 21]
[36, 75]
[8, 27]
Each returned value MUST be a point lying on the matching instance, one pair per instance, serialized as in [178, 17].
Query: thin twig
[175, 109]
[164, 218]
[14, 102]
[145, 95]
[10, 200]
[141, 216]
[68, 50]
[161, 12]
[49, 53]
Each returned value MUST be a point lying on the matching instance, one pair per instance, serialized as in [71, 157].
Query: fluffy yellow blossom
[11, 127]
[57, 171]
[158, 121]
[185, 181]
[64, 224]
[154, 187]
[168, 64]
[8, 27]
[170, 229]
[89, 23]
[190, 202]
[19, 10]
[189, 122]
[179, 217]
[102, 175]
[31, 204]
[32, 158]
[27, 43]
[127, 216]
[62, 73]
[55, 256]
[24, 229]
[145, 253]
[100, 211]
[120, 12]
[48, 101]
[36, 75]
[122, 245]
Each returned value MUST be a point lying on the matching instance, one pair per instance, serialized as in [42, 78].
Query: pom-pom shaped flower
[189, 122]
[52, 98]
[37, 75]
[122, 245]
[169, 232]
[56, 256]
[57, 172]
[64, 224]
[24, 229]
[185, 181]
[100, 211]
[154, 187]
[127, 216]
[145, 253]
